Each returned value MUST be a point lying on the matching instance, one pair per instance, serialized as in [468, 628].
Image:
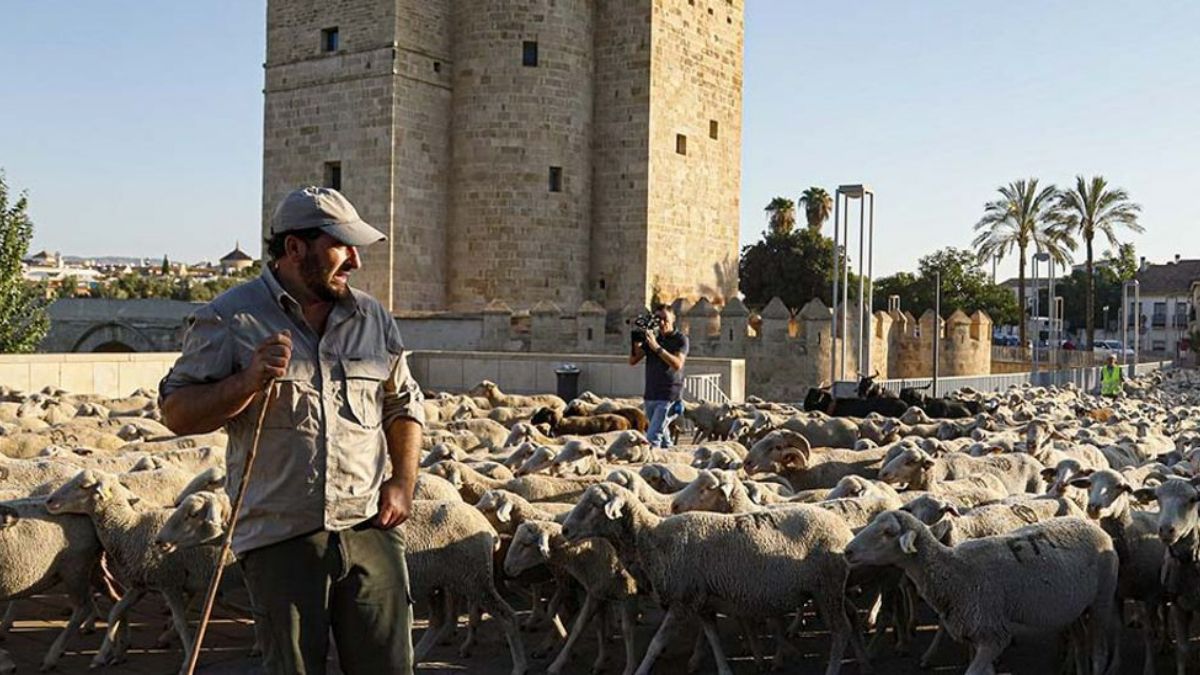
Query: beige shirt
[322, 456]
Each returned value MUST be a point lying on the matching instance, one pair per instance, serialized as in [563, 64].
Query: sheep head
[625, 446]
[909, 466]
[889, 539]
[600, 512]
[778, 450]
[530, 547]
[710, 491]
[1108, 493]
[1177, 507]
[200, 519]
[85, 492]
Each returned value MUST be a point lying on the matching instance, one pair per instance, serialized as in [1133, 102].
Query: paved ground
[227, 650]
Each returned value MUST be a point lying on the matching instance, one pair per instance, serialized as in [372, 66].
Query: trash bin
[568, 381]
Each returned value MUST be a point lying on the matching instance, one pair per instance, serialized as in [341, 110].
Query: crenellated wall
[785, 351]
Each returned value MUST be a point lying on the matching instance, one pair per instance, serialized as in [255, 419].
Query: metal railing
[1060, 358]
[1086, 379]
[705, 388]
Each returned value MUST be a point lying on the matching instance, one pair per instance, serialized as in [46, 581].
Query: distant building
[44, 259]
[1167, 292]
[235, 261]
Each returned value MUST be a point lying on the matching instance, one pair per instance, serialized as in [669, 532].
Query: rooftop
[236, 255]
[1174, 277]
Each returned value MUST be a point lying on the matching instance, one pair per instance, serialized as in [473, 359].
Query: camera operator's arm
[636, 354]
[673, 361]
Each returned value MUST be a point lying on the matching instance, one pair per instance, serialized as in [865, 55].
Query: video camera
[642, 324]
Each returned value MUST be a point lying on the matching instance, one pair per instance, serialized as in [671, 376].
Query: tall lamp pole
[866, 255]
[937, 330]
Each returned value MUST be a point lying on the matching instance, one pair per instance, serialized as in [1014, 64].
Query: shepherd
[1111, 378]
[318, 539]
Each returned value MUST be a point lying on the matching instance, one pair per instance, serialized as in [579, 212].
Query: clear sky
[136, 126]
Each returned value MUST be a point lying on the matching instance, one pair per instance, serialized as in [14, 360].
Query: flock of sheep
[1053, 512]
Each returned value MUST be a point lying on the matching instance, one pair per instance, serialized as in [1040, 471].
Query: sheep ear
[504, 512]
[1145, 495]
[543, 544]
[927, 463]
[908, 542]
[614, 507]
[726, 486]
[1048, 474]
[951, 510]
[1085, 483]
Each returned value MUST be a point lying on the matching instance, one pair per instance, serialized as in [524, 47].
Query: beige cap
[327, 209]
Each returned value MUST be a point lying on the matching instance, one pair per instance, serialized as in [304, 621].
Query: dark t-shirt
[662, 384]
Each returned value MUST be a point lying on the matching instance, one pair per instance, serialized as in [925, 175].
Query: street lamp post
[1106, 335]
[1137, 319]
[866, 239]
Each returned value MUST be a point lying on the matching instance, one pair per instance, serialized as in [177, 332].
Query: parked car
[1006, 341]
[1111, 347]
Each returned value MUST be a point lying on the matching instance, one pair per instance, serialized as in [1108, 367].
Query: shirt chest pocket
[364, 389]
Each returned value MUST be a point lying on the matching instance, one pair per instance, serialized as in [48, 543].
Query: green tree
[166, 266]
[23, 318]
[1090, 209]
[1023, 216]
[817, 207]
[797, 267]
[781, 216]
[965, 285]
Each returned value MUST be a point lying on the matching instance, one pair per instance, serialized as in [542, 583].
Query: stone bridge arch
[113, 336]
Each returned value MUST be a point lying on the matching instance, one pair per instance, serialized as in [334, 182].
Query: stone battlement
[785, 351]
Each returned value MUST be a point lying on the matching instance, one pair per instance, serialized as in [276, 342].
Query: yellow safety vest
[1110, 380]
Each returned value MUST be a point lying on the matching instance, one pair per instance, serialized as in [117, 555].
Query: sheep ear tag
[544, 544]
[613, 508]
[908, 542]
[504, 512]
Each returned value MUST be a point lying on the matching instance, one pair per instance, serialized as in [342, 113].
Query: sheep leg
[1179, 626]
[441, 609]
[628, 624]
[1149, 628]
[697, 657]
[474, 618]
[78, 614]
[659, 642]
[832, 606]
[590, 605]
[751, 641]
[10, 615]
[708, 623]
[178, 606]
[116, 619]
[555, 633]
[984, 661]
[783, 645]
[502, 612]
[601, 625]
[936, 644]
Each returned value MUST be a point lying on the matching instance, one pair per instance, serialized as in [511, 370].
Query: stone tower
[519, 151]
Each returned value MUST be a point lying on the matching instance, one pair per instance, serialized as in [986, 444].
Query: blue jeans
[660, 414]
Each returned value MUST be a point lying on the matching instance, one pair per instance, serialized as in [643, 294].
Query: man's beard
[319, 282]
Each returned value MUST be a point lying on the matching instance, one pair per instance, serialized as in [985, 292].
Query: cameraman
[665, 351]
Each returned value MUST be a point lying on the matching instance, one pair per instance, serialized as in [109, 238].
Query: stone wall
[785, 351]
[445, 141]
[112, 375]
[511, 236]
[696, 84]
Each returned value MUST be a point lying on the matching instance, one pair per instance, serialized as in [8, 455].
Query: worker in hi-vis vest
[1110, 378]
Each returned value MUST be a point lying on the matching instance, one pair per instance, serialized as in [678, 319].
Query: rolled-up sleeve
[207, 353]
[402, 395]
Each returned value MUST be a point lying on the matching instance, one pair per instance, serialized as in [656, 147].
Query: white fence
[705, 388]
[1087, 379]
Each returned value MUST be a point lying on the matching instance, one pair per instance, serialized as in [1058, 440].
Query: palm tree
[1094, 208]
[1023, 216]
[817, 206]
[781, 216]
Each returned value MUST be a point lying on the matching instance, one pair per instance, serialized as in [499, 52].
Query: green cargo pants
[354, 582]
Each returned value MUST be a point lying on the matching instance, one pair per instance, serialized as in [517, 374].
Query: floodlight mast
[841, 278]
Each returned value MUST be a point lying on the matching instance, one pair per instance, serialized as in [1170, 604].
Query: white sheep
[983, 590]
[697, 563]
[592, 563]
[127, 535]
